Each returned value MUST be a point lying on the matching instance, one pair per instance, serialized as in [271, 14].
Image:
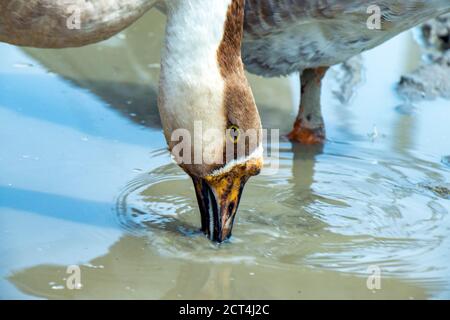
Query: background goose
[202, 74]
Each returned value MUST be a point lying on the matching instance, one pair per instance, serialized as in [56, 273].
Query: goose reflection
[130, 270]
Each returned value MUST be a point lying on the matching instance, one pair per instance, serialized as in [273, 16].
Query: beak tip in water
[218, 197]
[218, 203]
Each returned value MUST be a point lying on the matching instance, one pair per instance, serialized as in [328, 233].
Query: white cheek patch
[256, 154]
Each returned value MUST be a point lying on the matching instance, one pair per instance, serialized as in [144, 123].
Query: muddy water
[85, 180]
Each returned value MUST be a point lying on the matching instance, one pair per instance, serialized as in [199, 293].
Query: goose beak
[218, 199]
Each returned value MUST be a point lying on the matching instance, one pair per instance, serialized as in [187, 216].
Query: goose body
[202, 82]
[280, 36]
[286, 36]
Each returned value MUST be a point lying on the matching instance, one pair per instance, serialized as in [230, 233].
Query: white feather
[192, 85]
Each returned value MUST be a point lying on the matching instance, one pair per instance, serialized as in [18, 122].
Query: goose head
[208, 112]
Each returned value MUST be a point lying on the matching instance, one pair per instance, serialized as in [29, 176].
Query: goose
[208, 44]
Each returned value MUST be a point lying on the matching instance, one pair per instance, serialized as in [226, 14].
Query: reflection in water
[132, 270]
[122, 71]
[309, 231]
[303, 170]
[341, 211]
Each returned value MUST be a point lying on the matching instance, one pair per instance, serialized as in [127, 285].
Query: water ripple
[325, 209]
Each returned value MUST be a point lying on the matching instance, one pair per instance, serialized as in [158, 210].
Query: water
[85, 180]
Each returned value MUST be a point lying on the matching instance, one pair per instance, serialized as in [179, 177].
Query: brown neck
[239, 105]
[229, 52]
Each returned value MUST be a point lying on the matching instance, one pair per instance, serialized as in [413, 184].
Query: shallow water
[85, 180]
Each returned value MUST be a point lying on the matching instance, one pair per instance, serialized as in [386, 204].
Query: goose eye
[234, 133]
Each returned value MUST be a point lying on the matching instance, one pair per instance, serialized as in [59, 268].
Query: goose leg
[309, 127]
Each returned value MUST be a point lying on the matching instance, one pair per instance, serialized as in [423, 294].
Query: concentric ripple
[343, 208]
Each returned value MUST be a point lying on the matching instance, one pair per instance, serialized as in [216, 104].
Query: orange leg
[309, 127]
